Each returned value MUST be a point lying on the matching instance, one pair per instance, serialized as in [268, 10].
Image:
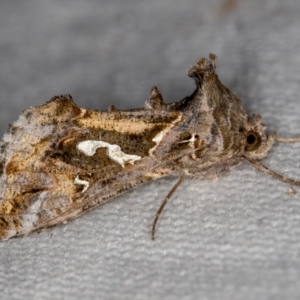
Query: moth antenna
[260, 167]
[286, 140]
[174, 188]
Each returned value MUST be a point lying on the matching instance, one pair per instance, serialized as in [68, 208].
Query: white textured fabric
[237, 237]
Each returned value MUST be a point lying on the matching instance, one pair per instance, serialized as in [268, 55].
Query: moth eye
[253, 141]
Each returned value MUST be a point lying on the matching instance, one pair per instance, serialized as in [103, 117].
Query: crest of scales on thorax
[60, 160]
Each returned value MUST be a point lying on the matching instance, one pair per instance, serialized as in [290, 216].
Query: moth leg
[260, 167]
[181, 179]
[286, 140]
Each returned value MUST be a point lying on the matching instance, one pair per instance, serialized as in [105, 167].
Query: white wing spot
[82, 182]
[114, 152]
[159, 137]
[191, 143]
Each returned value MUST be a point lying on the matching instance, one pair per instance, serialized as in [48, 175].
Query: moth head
[256, 142]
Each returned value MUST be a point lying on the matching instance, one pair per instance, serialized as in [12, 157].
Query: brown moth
[60, 160]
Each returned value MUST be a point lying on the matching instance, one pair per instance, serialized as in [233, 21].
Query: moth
[58, 160]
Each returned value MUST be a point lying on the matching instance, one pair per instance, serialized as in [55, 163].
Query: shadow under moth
[59, 160]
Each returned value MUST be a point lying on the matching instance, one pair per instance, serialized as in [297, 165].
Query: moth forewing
[60, 160]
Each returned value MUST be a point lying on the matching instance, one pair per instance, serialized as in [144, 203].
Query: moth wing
[59, 160]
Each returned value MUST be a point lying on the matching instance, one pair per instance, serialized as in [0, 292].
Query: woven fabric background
[237, 237]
